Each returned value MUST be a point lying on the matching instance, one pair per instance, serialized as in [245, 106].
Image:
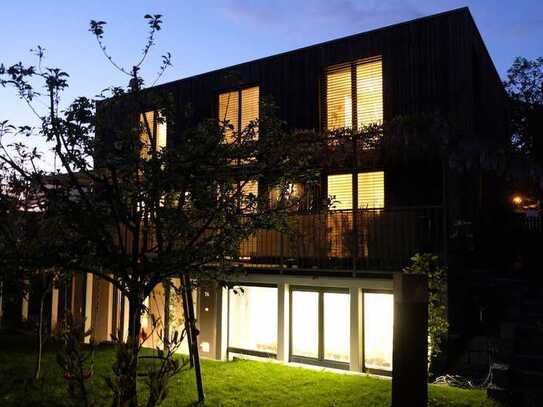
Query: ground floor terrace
[338, 322]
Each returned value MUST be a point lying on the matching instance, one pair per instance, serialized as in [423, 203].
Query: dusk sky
[204, 35]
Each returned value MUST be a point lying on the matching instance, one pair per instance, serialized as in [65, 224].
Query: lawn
[237, 383]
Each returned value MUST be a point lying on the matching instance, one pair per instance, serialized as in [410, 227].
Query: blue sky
[204, 35]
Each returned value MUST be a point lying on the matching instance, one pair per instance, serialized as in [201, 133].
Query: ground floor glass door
[320, 326]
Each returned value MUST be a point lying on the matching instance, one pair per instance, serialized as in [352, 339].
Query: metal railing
[365, 239]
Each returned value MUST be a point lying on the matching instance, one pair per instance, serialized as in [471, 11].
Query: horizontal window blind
[340, 189]
[371, 190]
[249, 106]
[369, 93]
[149, 120]
[339, 103]
[229, 112]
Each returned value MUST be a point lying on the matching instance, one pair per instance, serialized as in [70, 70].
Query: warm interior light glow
[154, 122]
[378, 330]
[253, 319]
[337, 326]
[340, 189]
[517, 200]
[369, 93]
[371, 190]
[305, 323]
[339, 99]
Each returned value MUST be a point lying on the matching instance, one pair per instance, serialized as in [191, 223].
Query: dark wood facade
[434, 65]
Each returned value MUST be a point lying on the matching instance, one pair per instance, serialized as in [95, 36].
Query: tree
[136, 213]
[524, 85]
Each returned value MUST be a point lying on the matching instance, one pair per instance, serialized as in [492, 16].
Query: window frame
[362, 339]
[239, 90]
[249, 352]
[352, 65]
[319, 360]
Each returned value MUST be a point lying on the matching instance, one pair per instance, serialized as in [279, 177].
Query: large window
[153, 132]
[378, 329]
[371, 190]
[239, 108]
[349, 106]
[320, 326]
[252, 319]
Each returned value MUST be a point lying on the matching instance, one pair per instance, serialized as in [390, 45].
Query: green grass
[237, 383]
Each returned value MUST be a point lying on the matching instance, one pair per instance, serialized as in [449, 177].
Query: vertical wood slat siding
[426, 68]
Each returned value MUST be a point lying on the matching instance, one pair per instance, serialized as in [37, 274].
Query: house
[327, 299]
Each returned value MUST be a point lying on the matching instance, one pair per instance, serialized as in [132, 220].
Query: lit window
[340, 189]
[153, 132]
[339, 99]
[340, 95]
[337, 332]
[369, 93]
[371, 190]
[312, 309]
[378, 330]
[238, 109]
[253, 319]
[305, 324]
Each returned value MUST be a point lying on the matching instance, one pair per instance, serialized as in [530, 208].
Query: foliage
[524, 85]
[135, 214]
[438, 325]
[77, 363]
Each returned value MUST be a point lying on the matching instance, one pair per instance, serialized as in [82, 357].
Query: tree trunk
[187, 291]
[134, 331]
[37, 370]
[188, 328]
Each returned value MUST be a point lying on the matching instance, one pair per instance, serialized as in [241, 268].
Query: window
[378, 330]
[239, 108]
[371, 190]
[365, 99]
[253, 319]
[320, 326]
[154, 122]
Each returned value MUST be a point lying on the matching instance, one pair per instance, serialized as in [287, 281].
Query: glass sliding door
[378, 329]
[252, 320]
[337, 326]
[320, 326]
[305, 324]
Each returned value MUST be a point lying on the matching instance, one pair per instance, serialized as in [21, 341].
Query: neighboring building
[327, 298]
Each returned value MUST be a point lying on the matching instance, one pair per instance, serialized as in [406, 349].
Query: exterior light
[517, 200]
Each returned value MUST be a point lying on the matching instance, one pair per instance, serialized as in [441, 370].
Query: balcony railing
[365, 239]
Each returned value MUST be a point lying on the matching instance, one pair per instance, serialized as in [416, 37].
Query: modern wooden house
[326, 298]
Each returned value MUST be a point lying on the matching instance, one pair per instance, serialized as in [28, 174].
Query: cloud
[314, 13]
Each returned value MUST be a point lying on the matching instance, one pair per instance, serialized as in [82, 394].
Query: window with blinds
[339, 103]
[239, 108]
[340, 190]
[369, 93]
[371, 190]
[365, 99]
[152, 121]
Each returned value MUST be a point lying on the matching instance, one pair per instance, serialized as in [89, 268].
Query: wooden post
[410, 352]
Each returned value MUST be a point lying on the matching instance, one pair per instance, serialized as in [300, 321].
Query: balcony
[365, 239]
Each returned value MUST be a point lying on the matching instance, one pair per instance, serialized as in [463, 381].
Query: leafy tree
[524, 85]
[135, 213]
